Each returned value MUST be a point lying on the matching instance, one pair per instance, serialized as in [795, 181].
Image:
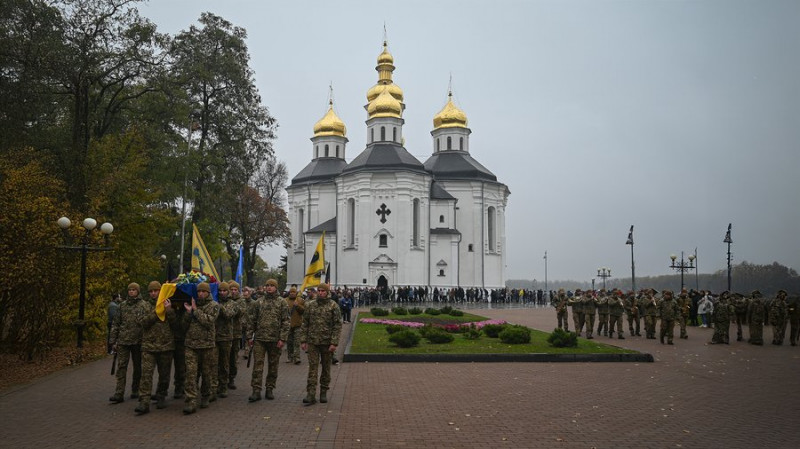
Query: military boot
[231, 386]
[323, 396]
[222, 393]
[162, 403]
[620, 336]
[662, 340]
[309, 399]
[256, 396]
[204, 402]
[117, 398]
[269, 394]
[141, 409]
[212, 397]
[189, 409]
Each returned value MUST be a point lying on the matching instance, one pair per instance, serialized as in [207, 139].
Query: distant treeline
[745, 277]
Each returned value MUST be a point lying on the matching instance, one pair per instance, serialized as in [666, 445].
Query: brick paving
[694, 395]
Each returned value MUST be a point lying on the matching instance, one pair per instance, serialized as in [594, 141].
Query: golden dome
[385, 57]
[385, 105]
[376, 90]
[330, 124]
[450, 116]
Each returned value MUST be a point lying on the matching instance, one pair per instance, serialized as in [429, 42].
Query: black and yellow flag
[316, 268]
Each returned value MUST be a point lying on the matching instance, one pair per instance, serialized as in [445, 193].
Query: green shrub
[514, 335]
[415, 311]
[493, 330]
[446, 310]
[563, 339]
[399, 311]
[405, 338]
[392, 328]
[456, 312]
[471, 332]
[377, 311]
[424, 330]
[437, 336]
[432, 311]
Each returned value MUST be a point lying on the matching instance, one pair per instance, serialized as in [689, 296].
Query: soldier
[561, 310]
[684, 306]
[602, 311]
[668, 310]
[632, 312]
[179, 325]
[589, 311]
[740, 309]
[755, 318]
[200, 317]
[576, 302]
[296, 308]
[225, 335]
[126, 339]
[794, 319]
[237, 332]
[158, 342]
[778, 314]
[650, 313]
[268, 329]
[615, 309]
[722, 319]
[319, 337]
[113, 311]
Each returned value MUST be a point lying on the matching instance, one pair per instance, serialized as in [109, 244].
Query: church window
[415, 222]
[490, 226]
[441, 272]
[441, 218]
[469, 247]
[394, 134]
[461, 143]
[372, 135]
[437, 144]
[382, 241]
[299, 225]
[337, 150]
[316, 151]
[383, 133]
[327, 153]
[449, 143]
[351, 222]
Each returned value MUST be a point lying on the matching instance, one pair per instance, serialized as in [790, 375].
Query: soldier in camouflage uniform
[756, 318]
[126, 339]
[684, 306]
[268, 330]
[576, 302]
[561, 310]
[794, 319]
[722, 319]
[296, 308]
[650, 307]
[778, 314]
[589, 310]
[632, 313]
[602, 313]
[669, 311]
[157, 346]
[319, 337]
[200, 317]
[226, 333]
[616, 307]
[238, 333]
[740, 309]
[179, 326]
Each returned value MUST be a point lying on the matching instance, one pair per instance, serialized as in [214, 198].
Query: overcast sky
[678, 117]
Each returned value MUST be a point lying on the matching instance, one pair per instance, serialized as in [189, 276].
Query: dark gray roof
[439, 193]
[445, 231]
[382, 156]
[320, 169]
[328, 226]
[453, 164]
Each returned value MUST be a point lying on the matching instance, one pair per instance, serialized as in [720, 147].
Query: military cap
[272, 282]
[756, 294]
[154, 285]
[782, 292]
[223, 286]
[232, 284]
[134, 286]
[203, 287]
[325, 287]
[293, 290]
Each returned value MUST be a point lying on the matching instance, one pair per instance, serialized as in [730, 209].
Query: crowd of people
[369, 296]
[609, 310]
[201, 339]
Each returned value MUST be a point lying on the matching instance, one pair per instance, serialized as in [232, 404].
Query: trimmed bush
[392, 328]
[424, 330]
[432, 311]
[456, 312]
[471, 332]
[377, 311]
[438, 336]
[515, 335]
[415, 311]
[399, 311]
[405, 338]
[563, 339]
[493, 330]
[446, 310]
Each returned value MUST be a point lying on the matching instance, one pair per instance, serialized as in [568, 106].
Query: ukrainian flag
[201, 260]
[317, 266]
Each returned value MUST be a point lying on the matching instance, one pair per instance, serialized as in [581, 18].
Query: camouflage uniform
[561, 311]
[158, 343]
[296, 308]
[200, 336]
[589, 311]
[632, 312]
[268, 324]
[778, 314]
[684, 306]
[602, 312]
[322, 324]
[722, 320]
[179, 354]
[668, 310]
[616, 307]
[650, 314]
[755, 318]
[576, 302]
[740, 308]
[225, 334]
[126, 334]
[237, 343]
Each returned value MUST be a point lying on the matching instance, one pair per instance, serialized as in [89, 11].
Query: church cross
[383, 212]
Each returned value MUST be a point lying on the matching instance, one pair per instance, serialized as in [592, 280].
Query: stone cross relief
[383, 211]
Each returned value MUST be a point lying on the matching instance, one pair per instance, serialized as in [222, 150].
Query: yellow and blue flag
[201, 260]
[317, 266]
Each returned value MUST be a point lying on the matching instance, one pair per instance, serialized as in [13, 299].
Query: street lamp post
[89, 224]
[728, 240]
[604, 273]
[633, 267]
[682, 266]
[194, 114]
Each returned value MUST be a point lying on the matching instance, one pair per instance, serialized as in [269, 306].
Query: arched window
[449, 143]
[469, 247]
[316, 151]
[371, 135]
[326, 150]
[382, 241]
[415, 222]
[394, 134]
[441, 218]
[337, 150]
[490, 226]
[441, 272]
[383, 133]
[351, 222]
[461, 143]
[300, 225]
[437, 144]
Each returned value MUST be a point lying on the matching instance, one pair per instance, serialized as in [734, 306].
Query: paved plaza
[695, 395]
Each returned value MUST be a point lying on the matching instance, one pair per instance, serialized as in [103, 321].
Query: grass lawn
[373, 339]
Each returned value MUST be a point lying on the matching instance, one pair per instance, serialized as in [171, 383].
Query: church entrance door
[383, 287]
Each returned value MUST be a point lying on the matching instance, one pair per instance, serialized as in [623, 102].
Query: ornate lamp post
[604, 272]
[633, 269]
[89, 224]
[682, 266]
[728, 240]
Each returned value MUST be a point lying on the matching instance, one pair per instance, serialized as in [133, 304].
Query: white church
[389, 219]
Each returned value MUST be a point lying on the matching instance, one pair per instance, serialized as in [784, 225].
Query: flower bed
[447, 327]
